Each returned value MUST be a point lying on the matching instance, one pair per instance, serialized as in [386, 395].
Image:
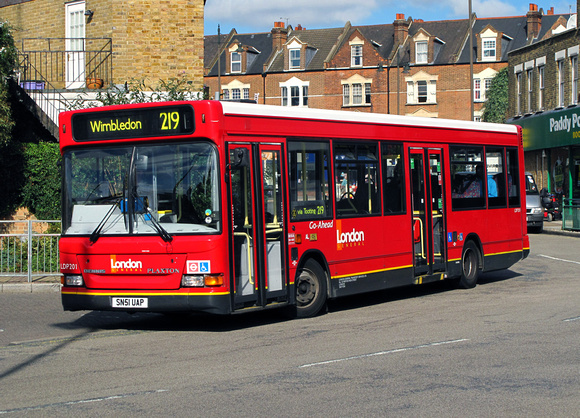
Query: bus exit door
[258, 244]
[428, 207]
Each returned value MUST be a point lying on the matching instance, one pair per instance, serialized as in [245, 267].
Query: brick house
[409, 67]
[543, 99]
[67, 46]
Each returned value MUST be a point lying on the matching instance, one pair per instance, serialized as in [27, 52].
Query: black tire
[469, 266]
[310, 290]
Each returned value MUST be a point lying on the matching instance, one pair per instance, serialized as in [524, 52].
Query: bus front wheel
[310, 290]
[469, 266]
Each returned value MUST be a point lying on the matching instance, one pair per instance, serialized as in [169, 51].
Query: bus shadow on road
[144, 321]
[176, 321]
[410, 292]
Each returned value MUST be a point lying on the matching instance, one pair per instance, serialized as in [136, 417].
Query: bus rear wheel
[469, 266]
[310, 290]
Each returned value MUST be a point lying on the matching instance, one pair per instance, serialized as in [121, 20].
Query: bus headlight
[201, 281]
[73, 280]
[192, 281]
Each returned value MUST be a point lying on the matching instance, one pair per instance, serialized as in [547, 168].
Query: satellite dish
[572, 22]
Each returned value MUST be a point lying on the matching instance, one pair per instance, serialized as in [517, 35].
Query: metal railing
[27, 252]
[66, 63]
[571, 214]
[49, 68]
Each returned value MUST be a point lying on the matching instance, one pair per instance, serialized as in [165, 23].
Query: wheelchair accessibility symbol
[196, 267]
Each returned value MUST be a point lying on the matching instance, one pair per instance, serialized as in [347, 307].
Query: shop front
[552, 154]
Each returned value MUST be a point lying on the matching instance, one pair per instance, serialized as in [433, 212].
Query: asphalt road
[509, 347]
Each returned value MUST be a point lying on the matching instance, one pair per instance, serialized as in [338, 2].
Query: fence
[571, 215]
[29, 248]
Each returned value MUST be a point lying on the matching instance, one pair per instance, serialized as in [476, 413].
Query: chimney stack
[401, 27]
[534, 21]
[279, 35]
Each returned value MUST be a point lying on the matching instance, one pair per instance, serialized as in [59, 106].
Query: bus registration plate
[120, 302]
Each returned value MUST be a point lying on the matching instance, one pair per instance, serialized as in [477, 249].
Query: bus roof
[236, 108]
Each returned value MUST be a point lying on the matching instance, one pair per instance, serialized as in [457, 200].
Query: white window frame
[421, 54]
[294, 93]
[295, 56]
[561, 83]
[530, 89]
[235, 65]
[488, 49]
[356, 55]
[519, 93]
[574, 79]
[235, 90]
[413, 88]
[541, 85]
[356, 91]
[477, 94]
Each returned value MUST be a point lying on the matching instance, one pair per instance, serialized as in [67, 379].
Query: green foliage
[496, 105]
[7, 50]
[137, 91]
[41, 193]
[7, 65]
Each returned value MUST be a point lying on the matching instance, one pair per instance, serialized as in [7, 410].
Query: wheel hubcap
[305, 289]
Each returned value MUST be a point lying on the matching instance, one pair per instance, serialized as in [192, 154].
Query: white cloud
[308, 13]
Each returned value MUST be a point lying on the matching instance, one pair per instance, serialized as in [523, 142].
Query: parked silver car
[534, 208]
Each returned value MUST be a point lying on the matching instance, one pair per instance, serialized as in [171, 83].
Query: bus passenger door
[272, 248]
[428, 211]
[258, 245]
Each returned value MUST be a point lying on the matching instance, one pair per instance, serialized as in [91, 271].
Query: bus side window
[356, 169]
[512, 177]
[467, 177]
[393, 180]
[496, 185]
[309, 175]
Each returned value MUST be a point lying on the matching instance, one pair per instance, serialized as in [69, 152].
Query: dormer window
[236, 62]
[421, 52]
[489, 49]
[295, 59]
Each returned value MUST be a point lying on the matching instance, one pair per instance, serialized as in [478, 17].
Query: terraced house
[544, 100]
[408, 67]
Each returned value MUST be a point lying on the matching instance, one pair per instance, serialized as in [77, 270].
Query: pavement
[20, 284]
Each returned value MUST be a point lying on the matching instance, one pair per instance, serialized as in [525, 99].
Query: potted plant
[94, 83]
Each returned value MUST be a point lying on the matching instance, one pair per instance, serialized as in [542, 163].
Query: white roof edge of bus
[235, 108]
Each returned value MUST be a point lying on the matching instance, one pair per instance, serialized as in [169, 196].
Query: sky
[255, 16]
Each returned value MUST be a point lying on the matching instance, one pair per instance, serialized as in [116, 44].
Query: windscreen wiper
[97, 232]
[165, 236]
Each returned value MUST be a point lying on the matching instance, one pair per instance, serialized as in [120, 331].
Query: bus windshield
[152, 189]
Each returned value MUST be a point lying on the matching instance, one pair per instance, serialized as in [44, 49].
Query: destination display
[133, 123]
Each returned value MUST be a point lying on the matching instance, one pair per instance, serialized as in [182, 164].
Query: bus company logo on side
[198, 267]
[349, 239]
[321, 224]
[119, 266]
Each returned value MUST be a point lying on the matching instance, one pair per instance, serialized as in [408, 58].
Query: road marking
[81, 401]
[381, 353]
[559, 259]
[572, 319]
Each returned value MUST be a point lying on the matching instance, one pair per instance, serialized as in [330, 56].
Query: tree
[41, 192]
[7, 66]
[496, 105]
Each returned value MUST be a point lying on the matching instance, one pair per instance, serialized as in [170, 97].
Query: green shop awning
[553, 129]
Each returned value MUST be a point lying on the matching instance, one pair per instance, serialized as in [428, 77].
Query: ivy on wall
[496, 105]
